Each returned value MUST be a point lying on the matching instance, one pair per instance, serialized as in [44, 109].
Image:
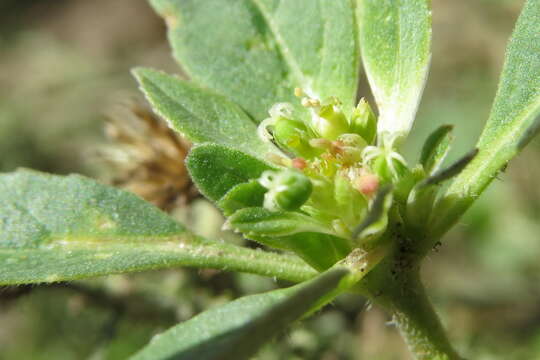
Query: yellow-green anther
[287, 189]
[364, 122]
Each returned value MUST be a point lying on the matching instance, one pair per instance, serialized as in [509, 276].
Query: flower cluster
[333, 164]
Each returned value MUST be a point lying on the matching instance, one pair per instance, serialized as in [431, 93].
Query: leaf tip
[452, 170]
[141, 72]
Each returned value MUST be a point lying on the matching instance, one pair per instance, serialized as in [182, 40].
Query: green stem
[417, 321]
[395, 285]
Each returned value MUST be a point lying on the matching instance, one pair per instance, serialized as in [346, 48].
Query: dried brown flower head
[146, 157]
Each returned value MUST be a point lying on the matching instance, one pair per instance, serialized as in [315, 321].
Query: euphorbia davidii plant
[294, 161]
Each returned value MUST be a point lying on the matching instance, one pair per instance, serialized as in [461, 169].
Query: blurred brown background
[64, 64]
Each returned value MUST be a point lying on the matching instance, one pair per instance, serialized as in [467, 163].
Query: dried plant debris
[146, 157]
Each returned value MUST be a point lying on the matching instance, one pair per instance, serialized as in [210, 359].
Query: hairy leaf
[250, 194]
[449, 172]
[376, 219]
[511, 123]
[317, 249]
[257, 51]
[419, 209]
[236, 331]
[517, 103]
[395, 40]
[216, 169]
[419, 206]
[199, 114]
[55, 228]
[259, 221]
[325, 62]
[436, 148]
[291, 231]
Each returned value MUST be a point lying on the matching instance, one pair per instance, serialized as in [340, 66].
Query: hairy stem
[395, 285]
[418, 323]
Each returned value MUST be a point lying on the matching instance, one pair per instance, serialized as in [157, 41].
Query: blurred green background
[64, 64]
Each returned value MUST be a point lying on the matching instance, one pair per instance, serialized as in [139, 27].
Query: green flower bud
[404, 186]
[353, 140]
[386, 163]
[342, 191]
[292, 136]
[322, 197]
[287, 189]
[352, 205]
[420, 205]
[388, 169]
[286, 131]
[329, 121]
[364, 122]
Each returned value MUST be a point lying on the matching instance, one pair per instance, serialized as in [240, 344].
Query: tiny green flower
[287, 189]
[328, 120]
[332, 165]
[363, 121]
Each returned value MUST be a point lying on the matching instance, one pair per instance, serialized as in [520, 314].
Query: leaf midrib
[284, 50]
[213, 254]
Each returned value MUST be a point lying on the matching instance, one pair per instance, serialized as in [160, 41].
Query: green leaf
[236, 331]
[376, 219]
[517, 103]
[37, 208]
[395, 40]
[257, 51]
[326, 62]
[436, 148]
[250, 194]
[199, 114]
[55, 228]
[419, 206]
[216, 169]
[292, 231]
[449, 172]
[317, 249]
[511, 123]
[258, 221]
[530, 133]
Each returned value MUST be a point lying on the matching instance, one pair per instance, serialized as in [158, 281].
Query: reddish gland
[299, 163]
[367, 184]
